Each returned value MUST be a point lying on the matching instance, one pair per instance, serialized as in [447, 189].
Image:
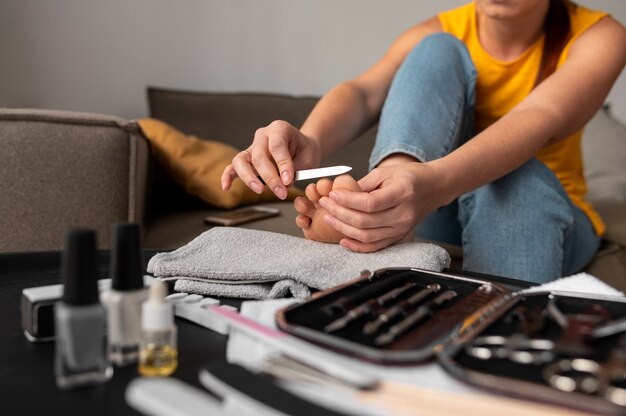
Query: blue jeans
[522, 225]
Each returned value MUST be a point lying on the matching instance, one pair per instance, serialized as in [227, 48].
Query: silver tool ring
[553, 374]
[487, 347]
[533, 351]
[521, 351]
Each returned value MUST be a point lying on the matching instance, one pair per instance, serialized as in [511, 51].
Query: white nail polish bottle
[123, 302]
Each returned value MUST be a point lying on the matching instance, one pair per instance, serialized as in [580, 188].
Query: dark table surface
[26, 369]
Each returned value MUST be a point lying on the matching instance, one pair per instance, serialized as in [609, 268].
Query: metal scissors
[606, 379]
[517, 348]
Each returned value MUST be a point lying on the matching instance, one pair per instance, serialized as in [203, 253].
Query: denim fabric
[522, 225]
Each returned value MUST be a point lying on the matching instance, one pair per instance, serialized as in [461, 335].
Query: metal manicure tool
[609, 328]
[345, 303]
[517, 348]
[605, 379]
[577, 328]
[366, 308]
[408, 322]
[400, 309]
[522, 349]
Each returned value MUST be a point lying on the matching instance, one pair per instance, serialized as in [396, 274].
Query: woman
[481, 110]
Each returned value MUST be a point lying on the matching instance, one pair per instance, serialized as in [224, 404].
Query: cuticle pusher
[400, 309]
[408, 322]
[366, 308]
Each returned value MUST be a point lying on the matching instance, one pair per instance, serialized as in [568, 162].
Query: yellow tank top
[502, 85]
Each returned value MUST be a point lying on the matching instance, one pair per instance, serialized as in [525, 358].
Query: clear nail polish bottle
[123, 302]
[158, 353]
[80, 357]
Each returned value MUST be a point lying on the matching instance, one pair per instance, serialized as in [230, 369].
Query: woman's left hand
[394, 199]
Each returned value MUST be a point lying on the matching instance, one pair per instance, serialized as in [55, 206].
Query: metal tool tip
[384, 339]
[370, 328]
[335, 325]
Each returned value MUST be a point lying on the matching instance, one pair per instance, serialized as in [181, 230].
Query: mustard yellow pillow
[198, 164]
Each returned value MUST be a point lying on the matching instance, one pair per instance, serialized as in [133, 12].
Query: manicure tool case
[401, 334]
[557, 347]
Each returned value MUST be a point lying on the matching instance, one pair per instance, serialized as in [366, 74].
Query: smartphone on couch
[241, 216]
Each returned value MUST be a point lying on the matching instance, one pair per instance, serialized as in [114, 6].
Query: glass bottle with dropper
[158, 353]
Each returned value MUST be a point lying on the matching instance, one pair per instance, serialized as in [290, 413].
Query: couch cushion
[198, 165]
[604, 153]
[227, 117]
[234, 117]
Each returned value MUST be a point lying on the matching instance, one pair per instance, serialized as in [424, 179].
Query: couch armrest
[64, 169]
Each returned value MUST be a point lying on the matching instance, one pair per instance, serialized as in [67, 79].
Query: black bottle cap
[126, 262]
[79, 268]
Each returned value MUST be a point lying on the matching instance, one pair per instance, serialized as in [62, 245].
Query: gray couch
[71, 169]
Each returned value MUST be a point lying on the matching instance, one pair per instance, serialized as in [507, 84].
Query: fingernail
[256, 187]
[280, 192]
[285, 176]
[333, 195]
[328, 219]
[324, 202]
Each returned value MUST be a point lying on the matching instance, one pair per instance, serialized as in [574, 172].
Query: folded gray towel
[238, 262]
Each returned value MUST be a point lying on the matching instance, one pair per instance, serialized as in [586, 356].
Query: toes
[304, 206]
[303, 222]
[311, 193]
[324, 186]
[346, 182]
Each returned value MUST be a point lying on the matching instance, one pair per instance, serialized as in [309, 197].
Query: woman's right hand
[275, 153]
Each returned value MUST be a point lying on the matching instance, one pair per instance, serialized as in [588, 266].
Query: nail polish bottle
[80, 357]
[123, 302]
[158, 353]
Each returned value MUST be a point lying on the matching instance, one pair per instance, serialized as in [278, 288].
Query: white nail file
[193, 308]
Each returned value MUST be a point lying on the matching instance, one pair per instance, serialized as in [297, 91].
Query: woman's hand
[275, 153]
[394, 200]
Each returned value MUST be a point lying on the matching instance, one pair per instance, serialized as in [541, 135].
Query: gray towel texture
[251, 264]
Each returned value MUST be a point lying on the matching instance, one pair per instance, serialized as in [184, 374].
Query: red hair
[557, 33]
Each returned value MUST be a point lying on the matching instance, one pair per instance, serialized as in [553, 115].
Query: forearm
[339, 117]
[495, 152]
[559, 106]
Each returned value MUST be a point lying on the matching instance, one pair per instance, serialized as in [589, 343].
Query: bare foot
[311, 218]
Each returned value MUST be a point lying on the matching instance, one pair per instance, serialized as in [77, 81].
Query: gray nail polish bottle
[79, 317]
[123, 302]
